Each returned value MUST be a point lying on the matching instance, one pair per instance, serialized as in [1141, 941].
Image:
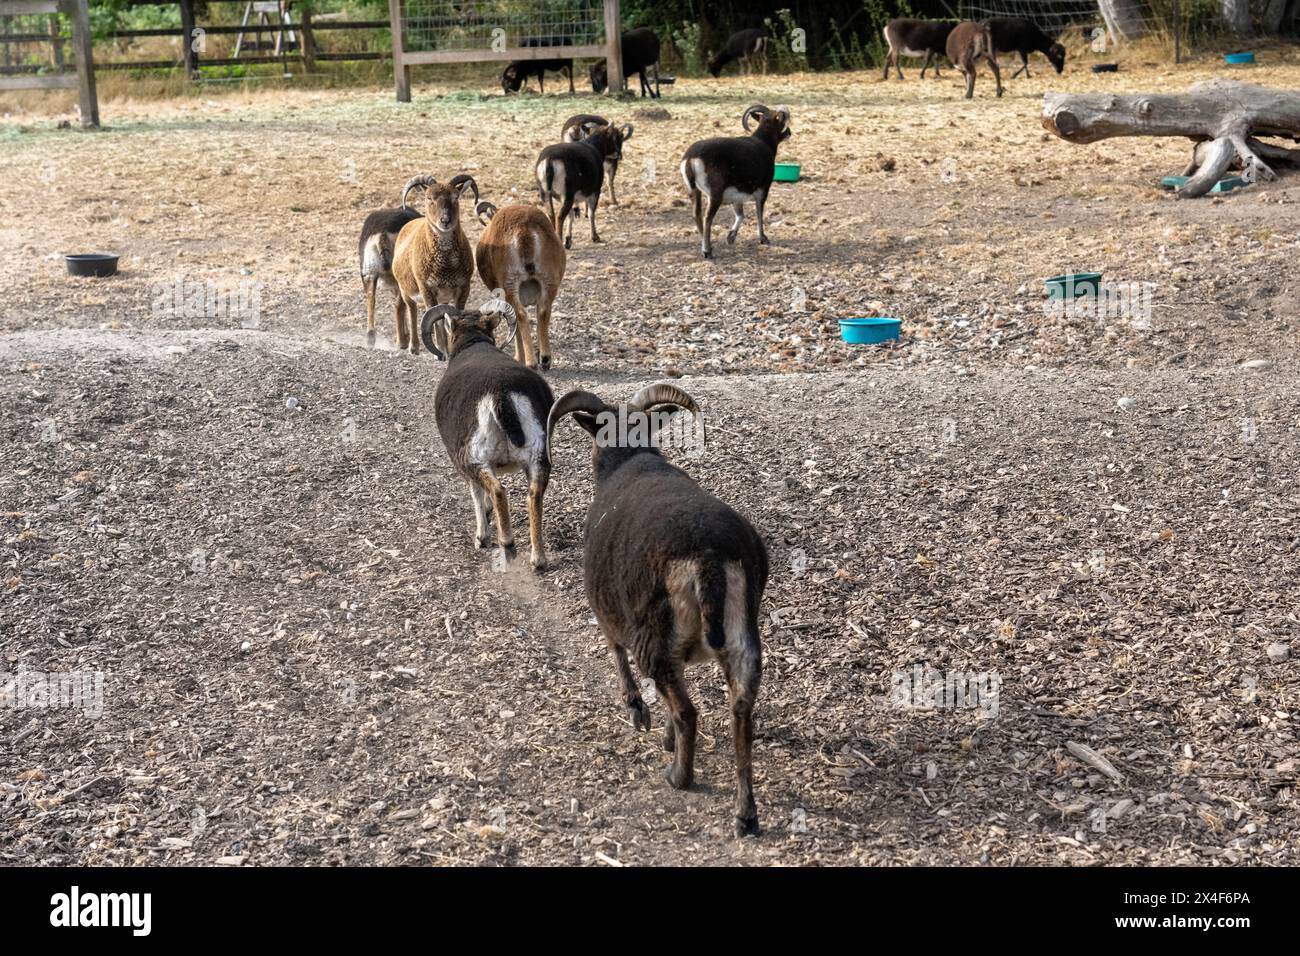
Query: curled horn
[570, 402]
[661, 393]
[459, 181]
[417, 181]
[499, 304]
[485, 211]
[626, 131]
[593, 124]
[758, 109]
[436, 314]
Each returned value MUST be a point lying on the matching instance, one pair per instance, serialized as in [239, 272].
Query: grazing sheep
[517, 72]
[1018, 35]
[746, 47]
[640, 50]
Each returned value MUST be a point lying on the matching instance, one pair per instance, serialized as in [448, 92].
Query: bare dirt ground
[307, 662]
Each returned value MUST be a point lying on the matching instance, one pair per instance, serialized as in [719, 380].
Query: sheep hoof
[546, 363]
[483, 541]
[568, 242]
[597, 239]
[539, 562]
[764, 241]
[731, 239]
[508, 551]
[370, 338]
[747, 826]
[678, 778]
[708, 254]
[639, 714]
[670, 738]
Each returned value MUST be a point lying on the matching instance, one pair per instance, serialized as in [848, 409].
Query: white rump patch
[372, 260]
[490, 446]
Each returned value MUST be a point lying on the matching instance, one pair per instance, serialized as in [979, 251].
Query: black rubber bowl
[97, 264]
[1105, 68]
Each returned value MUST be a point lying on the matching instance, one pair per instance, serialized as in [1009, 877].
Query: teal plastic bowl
[1222, 186]
[1239, 58]
[870, 331]
[1073, 284]
[786, 173]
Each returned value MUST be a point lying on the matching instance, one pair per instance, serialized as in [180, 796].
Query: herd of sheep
[671, 573]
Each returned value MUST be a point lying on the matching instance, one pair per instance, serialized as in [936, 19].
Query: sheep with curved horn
[578, 128]
[735, 170]
[375, 250]
[672, 574]
[491, 413]
[432, 258]
[574, 172]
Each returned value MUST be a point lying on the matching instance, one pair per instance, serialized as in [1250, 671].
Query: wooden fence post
[81, 45]
[401, 72]
[56, 41]
[190, 55]
[307, 42]
[1178, 32]
[614, 42]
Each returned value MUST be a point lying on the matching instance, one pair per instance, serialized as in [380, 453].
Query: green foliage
[788, 50]
[851, 52]
[689, 43]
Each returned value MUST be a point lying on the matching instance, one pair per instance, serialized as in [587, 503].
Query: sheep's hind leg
[496, 494]
[735, 226]
[637, 711]
[671, 687]
[742, 684]
[591, 213]
[482, 534]
[370, 282]
[760, 203]
[566, 214]
[538, 480]
[715, 203]
[400, 308]
[544, 331]
[523, 331]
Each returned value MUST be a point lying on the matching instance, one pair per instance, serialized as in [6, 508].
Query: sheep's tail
[711, 593]
[508, 418]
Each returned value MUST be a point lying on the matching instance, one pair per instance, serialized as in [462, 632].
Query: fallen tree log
[1224, 118]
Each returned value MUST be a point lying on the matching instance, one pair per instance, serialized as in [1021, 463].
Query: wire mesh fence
[32, 43]
[1108, 23]
[1104, 24]
[447, 25]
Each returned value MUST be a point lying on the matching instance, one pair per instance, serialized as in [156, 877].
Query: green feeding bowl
[786, 173]
[1073, 284]
[1222, 186]
[1239, 58]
